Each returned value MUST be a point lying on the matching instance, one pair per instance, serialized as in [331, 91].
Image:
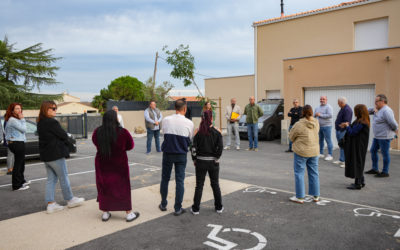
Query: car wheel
[269, 135]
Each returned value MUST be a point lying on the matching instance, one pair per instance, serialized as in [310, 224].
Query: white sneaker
[75, 201]
[227, 147]
[321, 156]
[54, 207]
[328, 158]
[24, 187]
[106, 216]
[337, 162]
[316, 198]
[132, 216]
[220, 211]
[342, 165]
[297, 200]
[193, 212]
[237, 148]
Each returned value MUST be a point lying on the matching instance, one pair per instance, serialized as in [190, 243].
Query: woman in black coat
[356, 146]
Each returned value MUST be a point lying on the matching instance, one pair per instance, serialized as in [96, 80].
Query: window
[372, 34]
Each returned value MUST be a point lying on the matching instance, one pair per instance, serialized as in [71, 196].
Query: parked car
[269, 125]
[32, 141]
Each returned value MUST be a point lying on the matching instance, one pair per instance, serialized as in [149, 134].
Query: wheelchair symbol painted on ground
[222, 244]
[370, 212]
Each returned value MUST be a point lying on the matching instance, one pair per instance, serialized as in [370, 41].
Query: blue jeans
[252, 133]
[150, 134]
[57, 170]
[290, 142]
[180, 165]
[300, 164]
[384, 146]
[325, 133]
[340, 135]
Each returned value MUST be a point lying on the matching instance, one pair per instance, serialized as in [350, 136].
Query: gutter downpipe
[255, 63]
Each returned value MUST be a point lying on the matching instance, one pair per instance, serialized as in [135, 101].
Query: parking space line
[334, 200]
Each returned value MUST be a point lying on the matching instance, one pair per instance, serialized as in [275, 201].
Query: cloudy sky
[101, 40]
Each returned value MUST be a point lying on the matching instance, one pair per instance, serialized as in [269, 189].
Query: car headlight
[260, 125]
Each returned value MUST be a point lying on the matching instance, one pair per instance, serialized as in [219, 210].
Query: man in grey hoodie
[324, 113]
[385, 129]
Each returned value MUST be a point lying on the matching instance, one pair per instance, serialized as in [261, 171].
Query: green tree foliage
[182, 62]
[158, 93]
[124, 88]
[23, 70]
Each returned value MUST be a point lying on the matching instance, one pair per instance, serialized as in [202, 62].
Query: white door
[273, 94]
[361, 94]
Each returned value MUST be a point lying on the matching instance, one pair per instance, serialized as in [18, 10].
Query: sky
[100, 40]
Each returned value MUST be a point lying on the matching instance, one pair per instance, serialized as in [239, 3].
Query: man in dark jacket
[345, 115]
[295, 114]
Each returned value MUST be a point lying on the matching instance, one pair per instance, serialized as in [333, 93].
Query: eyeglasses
[54, 109]
[378, 101]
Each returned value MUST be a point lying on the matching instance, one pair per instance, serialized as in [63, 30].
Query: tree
[182, 62]
[125, 88]
[158, 93]
[31, 67]
[23, 70]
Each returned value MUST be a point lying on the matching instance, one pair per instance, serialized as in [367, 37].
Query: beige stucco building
[350, 49]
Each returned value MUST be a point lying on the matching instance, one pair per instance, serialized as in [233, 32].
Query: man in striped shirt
[178, 132]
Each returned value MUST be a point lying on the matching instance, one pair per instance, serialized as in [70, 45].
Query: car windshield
[268, 108]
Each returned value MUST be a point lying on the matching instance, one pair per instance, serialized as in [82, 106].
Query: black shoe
[371, 172]
[162, 208]
[9, 173]
[354, 187]
[180, 212]
[289, 151]
[382, 175]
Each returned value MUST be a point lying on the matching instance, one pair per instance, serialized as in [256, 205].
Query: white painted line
[397, 234]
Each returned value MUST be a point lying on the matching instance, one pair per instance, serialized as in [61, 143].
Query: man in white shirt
[153, 117]
[232, 123]
[120, 120]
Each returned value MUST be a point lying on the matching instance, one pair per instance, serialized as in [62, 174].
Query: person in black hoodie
[206, 151]
[53, 148]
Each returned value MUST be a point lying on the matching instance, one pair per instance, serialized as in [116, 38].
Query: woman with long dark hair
[206, 151]
[54, 148]
[112, 168]
[356, 146]
[304, 136]
[15, 136]
[207, 106]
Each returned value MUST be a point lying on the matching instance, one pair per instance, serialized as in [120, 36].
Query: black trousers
[202, 167]
[18, 149]
[359, 181]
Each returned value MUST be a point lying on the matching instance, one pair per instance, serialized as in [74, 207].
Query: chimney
[282, 12]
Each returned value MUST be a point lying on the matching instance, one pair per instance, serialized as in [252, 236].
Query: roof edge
[228, 77]
[311, 12]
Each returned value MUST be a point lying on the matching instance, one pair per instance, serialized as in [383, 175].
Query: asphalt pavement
[257, 211]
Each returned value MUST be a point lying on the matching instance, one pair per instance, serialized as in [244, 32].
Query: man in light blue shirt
[385, 129]
[153, 117]
[324, 113]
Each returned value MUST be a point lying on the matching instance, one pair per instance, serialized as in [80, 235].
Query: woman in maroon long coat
[112, 168]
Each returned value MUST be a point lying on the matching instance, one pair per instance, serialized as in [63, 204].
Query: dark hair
[206, 121]
[44, 108]
[383, 98]
[152, 101]
[362, 114]
[205, 106]
[180, 105]
[307, 112]
[10, 111]
[107, 133]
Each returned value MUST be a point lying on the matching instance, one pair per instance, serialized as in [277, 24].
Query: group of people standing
[53, 147]
[309, 131]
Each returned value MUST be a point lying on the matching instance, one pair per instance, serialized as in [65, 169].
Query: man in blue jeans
[153, 117]
[252, 111]
[345, 115]
[178, 131]
[385, 129]
[324, 115]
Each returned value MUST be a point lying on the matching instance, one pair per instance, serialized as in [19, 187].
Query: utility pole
[154, 75]
[282, 12]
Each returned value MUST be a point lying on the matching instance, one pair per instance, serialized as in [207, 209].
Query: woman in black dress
[356, 146]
